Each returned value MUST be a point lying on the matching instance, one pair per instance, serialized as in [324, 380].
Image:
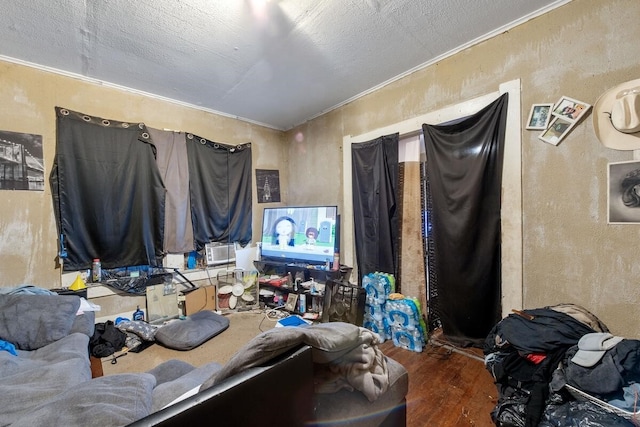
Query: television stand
[338, 301]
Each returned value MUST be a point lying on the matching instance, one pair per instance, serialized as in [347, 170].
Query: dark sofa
[299, 377]
[273, 380]
[276, 394]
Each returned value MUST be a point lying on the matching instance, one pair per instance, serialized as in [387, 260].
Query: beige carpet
[243, 326]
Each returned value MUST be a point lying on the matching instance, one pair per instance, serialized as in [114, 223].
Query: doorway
[511, 209]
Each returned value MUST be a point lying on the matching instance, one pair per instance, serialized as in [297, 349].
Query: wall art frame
[539, 116]
[557, 130]
[22, 161]
[570, 109]
[623, 195]
[268, 185]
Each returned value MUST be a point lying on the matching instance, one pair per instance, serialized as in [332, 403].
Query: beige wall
[28, 96]
[570, 253]
[578, 50]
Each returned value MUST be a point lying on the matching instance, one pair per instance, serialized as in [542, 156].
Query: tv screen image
[302, 234]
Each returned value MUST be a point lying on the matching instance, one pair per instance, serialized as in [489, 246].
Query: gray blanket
[350, 353]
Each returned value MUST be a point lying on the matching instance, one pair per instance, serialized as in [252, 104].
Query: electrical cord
[438, 342]
[273, 314]
[276, 313]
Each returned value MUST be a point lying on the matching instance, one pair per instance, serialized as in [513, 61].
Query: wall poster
[624, 192]
[268, 185]
[21, 161]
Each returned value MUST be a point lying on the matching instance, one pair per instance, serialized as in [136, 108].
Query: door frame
[511, 208]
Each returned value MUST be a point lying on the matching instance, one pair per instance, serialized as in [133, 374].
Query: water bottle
[302, 303]
[138, 314]
[96, 271]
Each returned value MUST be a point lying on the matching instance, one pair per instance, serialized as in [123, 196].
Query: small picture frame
[539, 116]
[268, 185]
[558, 129]
[570, 109]
[623, 197]
[292, 299]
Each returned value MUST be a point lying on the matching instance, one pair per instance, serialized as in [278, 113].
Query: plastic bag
[581, 414]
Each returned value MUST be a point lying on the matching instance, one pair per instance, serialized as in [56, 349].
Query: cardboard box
[201, 298]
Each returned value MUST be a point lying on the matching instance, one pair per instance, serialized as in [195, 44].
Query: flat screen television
[300, 234]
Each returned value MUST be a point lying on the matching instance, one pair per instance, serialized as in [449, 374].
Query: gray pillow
[331, 341]
[32, 321]
[192, 331]
[84, 323]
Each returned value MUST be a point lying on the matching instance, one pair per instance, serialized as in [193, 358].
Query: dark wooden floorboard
[446, 388]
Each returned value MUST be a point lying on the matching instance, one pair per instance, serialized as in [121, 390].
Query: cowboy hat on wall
[616, 118]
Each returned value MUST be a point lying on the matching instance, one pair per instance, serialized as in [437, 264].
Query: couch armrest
[84, 323]
[250, 397]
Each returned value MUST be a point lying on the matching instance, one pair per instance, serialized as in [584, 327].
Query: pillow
[142, 329]
[112, 400]
[84, 323]
[192, 331]
[331, 341]
[31, 321]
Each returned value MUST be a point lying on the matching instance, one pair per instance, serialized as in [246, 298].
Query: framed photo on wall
[623, 182]
[570, 109]
[268, 185]
[539, 116]
[22, 161]
[558, 129]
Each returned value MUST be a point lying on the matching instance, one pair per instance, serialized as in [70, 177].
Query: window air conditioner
[220, 253]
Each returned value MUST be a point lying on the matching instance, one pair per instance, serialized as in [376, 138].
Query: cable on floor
[273, 314]
[453, 348]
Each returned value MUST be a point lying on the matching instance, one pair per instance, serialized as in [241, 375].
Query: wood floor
[446, 388]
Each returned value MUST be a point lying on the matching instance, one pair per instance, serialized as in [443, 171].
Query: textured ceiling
[277, 63]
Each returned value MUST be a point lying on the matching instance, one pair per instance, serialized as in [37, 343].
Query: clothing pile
[526, 353]
[606, 367]
[106, 339]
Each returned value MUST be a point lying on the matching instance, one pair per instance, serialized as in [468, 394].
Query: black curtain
[220, 188]
[375, 205]
[107, 192]
[464, 174]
